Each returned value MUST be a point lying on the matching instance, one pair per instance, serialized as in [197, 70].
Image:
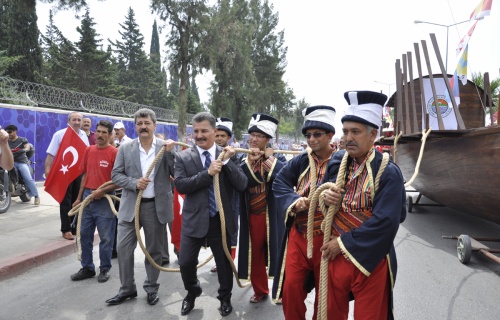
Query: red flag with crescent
[66, 166]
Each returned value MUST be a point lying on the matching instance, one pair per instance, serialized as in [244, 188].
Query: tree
[4, 24]
[159, 94]
[93, 65]
[59, 58]
[227, 53]
[185, 18]
[269, 58]
[66, 4]
[478, 80]
[22, 35]
[299, 118]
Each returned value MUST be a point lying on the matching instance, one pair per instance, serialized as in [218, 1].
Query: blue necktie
[211, 195]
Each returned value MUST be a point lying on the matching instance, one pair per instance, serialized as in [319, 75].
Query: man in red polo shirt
[97, 164]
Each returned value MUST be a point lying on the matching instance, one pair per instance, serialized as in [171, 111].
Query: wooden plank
[416, 128]
[421, 83]
[406, 101]
[460, 121]
[487, 94]
[433, 87]
[399, 105]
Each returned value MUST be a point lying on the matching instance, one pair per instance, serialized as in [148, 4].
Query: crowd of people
[265, 200]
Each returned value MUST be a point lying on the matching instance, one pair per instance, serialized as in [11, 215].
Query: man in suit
[194, 172]
[133, 161]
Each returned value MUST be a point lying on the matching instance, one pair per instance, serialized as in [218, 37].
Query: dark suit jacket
[193, 180]
[127, 170]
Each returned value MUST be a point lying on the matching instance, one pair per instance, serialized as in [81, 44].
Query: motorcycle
[12, 184]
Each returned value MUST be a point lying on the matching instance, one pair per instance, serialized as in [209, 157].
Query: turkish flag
[177, 223]
[66, 166]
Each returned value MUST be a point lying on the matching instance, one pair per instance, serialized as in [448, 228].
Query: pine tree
[22, 35]
[93, 65]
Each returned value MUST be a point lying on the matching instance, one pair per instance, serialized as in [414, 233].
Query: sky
[334, 46]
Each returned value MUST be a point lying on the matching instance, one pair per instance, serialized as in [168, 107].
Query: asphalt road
[431, 282]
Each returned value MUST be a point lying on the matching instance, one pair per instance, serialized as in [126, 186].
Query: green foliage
[478, 80]
[93, 65]
[66, 4]
[186, 19]
[6, 62]
[22, 34]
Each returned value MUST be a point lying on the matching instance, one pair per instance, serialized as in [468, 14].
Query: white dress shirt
[147, 159]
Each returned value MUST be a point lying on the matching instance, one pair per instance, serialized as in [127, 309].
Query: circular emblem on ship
[443, 106]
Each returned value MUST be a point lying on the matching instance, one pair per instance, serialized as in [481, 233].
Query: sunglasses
[316, 135]
[9, 131]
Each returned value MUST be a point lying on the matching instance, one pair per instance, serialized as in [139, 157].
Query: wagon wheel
[409, 203]
[464, 248]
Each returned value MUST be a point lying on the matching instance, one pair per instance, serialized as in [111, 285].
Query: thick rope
[417, 166]
[396, 139]
[223, 218]
[79, 209]
[313, 178]
[326, 226]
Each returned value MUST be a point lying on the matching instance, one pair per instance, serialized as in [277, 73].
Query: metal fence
[35, 94]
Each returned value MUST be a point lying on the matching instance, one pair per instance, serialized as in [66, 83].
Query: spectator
[121, 136]
[19, 146]
[75, 123]
[86, 125]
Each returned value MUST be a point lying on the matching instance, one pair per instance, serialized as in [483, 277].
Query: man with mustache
[361, 251]
[195, 169]
[86, 125]
[75, 122]
[129, 172]
[296, 275]
[260, 229]
[120, 135]
[96, 165]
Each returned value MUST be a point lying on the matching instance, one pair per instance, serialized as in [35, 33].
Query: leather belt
[144, 200]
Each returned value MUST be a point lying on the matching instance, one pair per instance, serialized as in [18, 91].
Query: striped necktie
[211, 194]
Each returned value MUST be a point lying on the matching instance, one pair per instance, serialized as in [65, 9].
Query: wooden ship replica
[458, 168]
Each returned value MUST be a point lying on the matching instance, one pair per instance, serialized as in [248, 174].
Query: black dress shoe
[119, 299]
[225, 308]
[153, 298]
[188, 303]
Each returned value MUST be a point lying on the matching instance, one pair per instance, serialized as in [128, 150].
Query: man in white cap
[292, 188]
[120, 134]
[361, 251]
[223, 133]
[259, 228]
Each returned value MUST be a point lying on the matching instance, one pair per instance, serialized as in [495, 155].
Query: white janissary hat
[364, 107]
[319, 117]
[263, 123]
[225, 124]
[119, 125]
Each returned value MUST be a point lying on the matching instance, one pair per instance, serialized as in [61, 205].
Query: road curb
[19, 264]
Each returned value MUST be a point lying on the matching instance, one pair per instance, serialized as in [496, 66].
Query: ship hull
[460, 169]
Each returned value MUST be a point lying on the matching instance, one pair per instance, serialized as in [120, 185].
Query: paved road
[431, 284]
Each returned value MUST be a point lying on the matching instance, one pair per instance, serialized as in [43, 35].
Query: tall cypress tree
[22, 34]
